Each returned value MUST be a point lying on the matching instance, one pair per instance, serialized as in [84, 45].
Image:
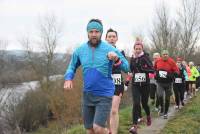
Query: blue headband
[95, 25]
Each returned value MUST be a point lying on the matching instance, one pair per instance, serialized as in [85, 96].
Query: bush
[33, 110]
[66, 105]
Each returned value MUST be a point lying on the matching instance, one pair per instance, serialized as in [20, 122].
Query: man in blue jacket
[96, 58]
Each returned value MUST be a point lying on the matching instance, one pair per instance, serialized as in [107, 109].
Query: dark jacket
[141, 67]
[182, 75]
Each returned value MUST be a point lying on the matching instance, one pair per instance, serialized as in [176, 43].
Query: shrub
[33, 110]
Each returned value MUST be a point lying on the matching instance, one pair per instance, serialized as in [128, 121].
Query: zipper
[93, 55]
[137, 62]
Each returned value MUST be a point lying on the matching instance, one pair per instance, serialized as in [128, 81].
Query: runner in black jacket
[140, 66]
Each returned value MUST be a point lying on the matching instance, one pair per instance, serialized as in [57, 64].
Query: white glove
[125, 88]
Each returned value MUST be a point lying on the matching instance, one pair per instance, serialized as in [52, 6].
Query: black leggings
[161, 102]
[198, 82]
[187, 86]
[140, 95]
[153, 93]
[179, 90]
[164, 89]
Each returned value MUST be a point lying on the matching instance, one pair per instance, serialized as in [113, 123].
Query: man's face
[165, 56]
[94, 37]
[111, 38]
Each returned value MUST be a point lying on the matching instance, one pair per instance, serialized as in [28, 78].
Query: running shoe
[133, 129]
[149, 120]
[165, 116]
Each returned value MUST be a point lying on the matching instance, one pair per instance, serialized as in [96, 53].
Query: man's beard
[165, 58]
[94, 42]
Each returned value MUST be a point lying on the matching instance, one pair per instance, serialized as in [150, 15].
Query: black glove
[127, 83]
[175, 74]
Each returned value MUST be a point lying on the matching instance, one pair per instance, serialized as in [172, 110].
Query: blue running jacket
[96, 66]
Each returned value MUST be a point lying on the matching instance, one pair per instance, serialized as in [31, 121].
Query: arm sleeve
[124, 63]
[73, 65]
[196, 74]
[175, 67]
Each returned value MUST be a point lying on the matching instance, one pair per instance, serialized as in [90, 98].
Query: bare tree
[34, 59]
[189, 18]
[3, 46]
[165, 32]
[50, 33]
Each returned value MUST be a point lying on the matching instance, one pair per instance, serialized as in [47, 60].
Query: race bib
[117, 79]
[162, 74]
[178, 80]
[140, 77]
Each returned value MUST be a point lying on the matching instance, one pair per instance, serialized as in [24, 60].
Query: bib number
[178, 80]
[162, 74]
[140, 77]
[117, 79]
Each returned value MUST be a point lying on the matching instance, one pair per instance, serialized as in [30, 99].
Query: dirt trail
[158, 123]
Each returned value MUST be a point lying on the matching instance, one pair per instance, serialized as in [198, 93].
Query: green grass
[126, 118]
[187, 121]
[78, 129]
[53, 128]
[125, 123]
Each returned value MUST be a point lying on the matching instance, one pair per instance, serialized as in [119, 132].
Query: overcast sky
[128, 17]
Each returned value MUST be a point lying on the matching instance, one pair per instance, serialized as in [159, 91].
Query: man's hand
[68, 85]
[112, 56]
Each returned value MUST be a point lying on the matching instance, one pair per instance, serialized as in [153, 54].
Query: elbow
[126, 69]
